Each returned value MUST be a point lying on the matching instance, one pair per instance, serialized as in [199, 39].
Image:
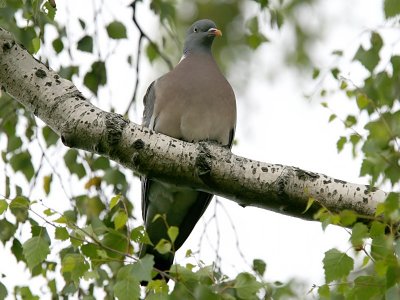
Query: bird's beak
[215, 31]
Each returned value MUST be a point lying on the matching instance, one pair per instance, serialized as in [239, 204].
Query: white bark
[203, 166]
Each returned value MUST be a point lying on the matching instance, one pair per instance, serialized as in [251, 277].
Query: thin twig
[162, 55]
[232, 223]
[133, 100]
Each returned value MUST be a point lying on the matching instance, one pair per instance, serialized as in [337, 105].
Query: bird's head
[200, 36]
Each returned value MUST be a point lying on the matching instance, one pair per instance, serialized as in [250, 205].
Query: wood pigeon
[193, 102]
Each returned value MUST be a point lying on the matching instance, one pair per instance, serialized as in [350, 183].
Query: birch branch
[203, 166]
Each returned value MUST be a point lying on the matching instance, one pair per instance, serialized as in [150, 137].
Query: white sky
[275, 124]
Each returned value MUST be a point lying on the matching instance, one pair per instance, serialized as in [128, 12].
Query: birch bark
[204, 166]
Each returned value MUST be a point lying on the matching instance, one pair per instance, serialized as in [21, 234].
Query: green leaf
[395, 61]
[91, 206]
[358, 234]
[82, 23]
[277, 18]
[41, 231]
[19, 208]
[255, 40]
[386, 88]
[259, 266]
[68, 72]
[101, 163]
[7, 230]
[380, 267]
[61, 220]
[151, 52]
[61, 233]
[90, 250]
[340, 143]
[337, 52]
[70, 159]
[127, 288]
[129, 276]
[3, 291]
[50, 10]
[324, 292]
[377, 229]
[392, 203]
[26, 293]
[35, 251]
[173, 232]
[115, 177]
[381, 247]
[85, 44]
[116, 30]
[139, 235]
[315, 73]
[368, 168]
[355, 139]
[163, 246]
[50, 136]
[58, 45]
[252, 25]
[337, 265]
[368, 287]
[35, 44]
[189, 253]
[263, 3]
[75, 265]
[143, 268]
[120, 219]
[46, 183]
[367, 58]
[23, 162]
[115, 200]
[391, 8]
[17, 250]
[164, 9]
[115, 241]
[332, 117]
[350, 121]
[366, 260]
[309, 203]
[370, 58]
[380, 209]
[156, 217]
[246, 286]
[14, 143]
[335, 73]
[347, 217]
[96, 77]
[392, 276]
[3, 206]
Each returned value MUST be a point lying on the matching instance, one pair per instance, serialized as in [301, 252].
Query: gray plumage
[193, 102]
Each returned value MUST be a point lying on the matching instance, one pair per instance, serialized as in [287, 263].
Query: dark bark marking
[138, 144]
[40, 73]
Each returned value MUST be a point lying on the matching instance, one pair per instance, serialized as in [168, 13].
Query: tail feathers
[162, 262]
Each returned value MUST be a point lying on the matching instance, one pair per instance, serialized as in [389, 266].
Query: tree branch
[204, 166]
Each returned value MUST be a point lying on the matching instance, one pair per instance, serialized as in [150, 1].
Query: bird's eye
[195, 29]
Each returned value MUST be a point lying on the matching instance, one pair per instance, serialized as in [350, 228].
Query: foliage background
[58, 213]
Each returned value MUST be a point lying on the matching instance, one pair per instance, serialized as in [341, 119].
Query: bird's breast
[195, 102]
